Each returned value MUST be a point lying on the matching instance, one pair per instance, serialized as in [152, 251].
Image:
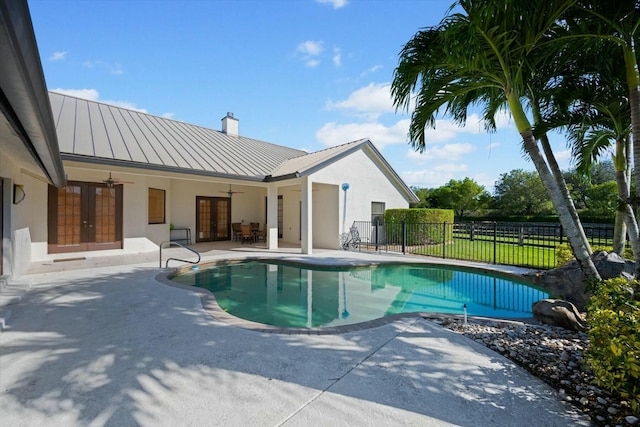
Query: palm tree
[485, 56]
[618, 24]
[602, 119]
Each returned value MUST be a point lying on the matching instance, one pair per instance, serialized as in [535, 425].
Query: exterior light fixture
[18, 193]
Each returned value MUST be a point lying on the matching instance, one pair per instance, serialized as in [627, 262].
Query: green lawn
[482, 251]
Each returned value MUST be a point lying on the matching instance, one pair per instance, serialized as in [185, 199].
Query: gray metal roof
[95, 132]
[308, 163]
[102, 133]
[26, 123]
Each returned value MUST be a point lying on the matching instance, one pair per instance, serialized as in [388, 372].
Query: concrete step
[5, 315]
[12, 292]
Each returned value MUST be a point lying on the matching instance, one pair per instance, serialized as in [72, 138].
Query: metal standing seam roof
[97, 132]
[309, 163]
[104, 133]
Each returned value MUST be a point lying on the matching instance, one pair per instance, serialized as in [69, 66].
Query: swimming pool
[303, 296]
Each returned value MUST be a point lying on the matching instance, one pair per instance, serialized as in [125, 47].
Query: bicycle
[350, 239]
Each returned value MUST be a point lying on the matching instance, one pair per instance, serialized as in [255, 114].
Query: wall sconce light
[18, 193]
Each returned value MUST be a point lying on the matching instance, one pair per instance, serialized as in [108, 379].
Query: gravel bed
[554, 355]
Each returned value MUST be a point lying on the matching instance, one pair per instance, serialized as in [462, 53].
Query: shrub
[424, 226]
[614, 342]
[564, 254]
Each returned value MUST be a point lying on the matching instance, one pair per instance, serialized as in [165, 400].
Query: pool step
[5, 315]
[12, 292]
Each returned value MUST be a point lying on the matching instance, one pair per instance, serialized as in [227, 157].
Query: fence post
[471, 231]
[561, 233]
[521, 235]
[444, 240]
[404, 237]
[495, 240]
[376, 229]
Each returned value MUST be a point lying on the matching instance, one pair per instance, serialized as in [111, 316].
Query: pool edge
[211, 307]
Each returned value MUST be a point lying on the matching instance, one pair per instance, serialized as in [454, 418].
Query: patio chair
[247, 234]
[237, 231]
[261, 234]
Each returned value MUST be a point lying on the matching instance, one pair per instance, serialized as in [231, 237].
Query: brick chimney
[230, 125]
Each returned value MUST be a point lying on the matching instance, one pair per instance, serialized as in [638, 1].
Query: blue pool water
[293, 295]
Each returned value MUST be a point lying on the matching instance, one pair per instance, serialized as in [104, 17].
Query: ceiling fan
[230, 192]
[111, 182]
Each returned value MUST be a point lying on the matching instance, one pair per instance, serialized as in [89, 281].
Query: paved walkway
[113, 346]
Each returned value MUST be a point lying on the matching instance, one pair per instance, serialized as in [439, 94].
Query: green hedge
[614, 341]
[424, 226]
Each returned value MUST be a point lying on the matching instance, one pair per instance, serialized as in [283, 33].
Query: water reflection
[290, 296]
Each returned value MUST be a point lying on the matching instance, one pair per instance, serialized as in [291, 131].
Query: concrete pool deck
[114, 346]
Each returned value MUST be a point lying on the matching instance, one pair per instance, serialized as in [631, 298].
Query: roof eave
[159, 168]
[25, 100]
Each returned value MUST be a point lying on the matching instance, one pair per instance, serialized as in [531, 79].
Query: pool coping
[210, 304]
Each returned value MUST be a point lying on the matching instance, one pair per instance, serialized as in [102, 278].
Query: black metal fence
[518, 244]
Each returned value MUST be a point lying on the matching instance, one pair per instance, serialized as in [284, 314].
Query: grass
[483, 251]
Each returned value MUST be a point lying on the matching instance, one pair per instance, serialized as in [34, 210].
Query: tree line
[521, 193]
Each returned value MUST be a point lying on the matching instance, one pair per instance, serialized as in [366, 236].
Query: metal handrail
[166, 265]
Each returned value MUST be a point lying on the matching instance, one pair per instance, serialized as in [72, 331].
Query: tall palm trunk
[562, 186]
[633, 82]
[620, 164]
[575, 233]
[573, 230]
[619, 232]
[620, 227]
[557, 173]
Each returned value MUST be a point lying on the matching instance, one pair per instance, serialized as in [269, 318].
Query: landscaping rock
[568, 282]
[532, 345]
[559, 313]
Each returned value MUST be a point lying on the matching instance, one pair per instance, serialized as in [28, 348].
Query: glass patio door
[213, 219]
[84, 216]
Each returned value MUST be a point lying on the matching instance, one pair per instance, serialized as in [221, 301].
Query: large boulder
[559, 313]
[568, 282]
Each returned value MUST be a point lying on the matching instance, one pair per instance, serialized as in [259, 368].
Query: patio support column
[272, 217]
[306, 225]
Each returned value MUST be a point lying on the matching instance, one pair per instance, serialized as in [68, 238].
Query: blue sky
[308, 74]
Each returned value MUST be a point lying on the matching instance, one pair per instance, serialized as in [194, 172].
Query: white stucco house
[113, 180]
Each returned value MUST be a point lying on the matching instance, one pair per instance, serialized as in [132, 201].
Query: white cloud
[426, 178]
[309, 52]
[168, 115]
[504, 120]
[563, 155]
[112, 68]
[450, 167]
[447, 151]
[337, 4]
[311, 48]
[337, 57]
[117, 70]
[311, 63]
[369, 101]
[93, 95]
[58, 56]
[91, 64]
[332, 134]
[371, 70]
[90, 94]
